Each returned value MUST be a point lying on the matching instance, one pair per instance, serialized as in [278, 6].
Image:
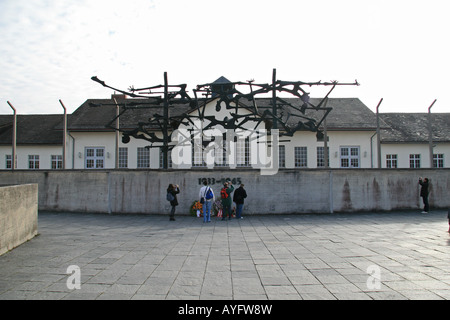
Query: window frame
[414, 161]
[350, 157]
[143, 158]
[97, 158]
[33, 161]
[392, 161]
[300, 157]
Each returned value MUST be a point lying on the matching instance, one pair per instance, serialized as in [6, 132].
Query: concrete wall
[289, 191]
[18, 215]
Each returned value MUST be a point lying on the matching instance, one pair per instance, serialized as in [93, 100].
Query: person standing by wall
[207, 198]
[225, 193]
[172, 192]
[238, 197]
[448, 217]
[424, 192]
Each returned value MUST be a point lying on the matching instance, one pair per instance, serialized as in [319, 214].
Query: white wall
[336, 139]
[307, 139]
[404, 150]
[22, 153]
[107, 140]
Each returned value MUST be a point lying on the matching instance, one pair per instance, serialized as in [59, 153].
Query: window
[200, 150]
[33, 162]
[438, 160]
[123, 157]
[300, 157]
[95, 158]
[56, 162]
[391, 161]
[414, 161]
[243, 152]
[282, 156]
[161, 158]
[143, 158]
[197, 151]
[321, 157]
[9, 162]
[349, 157]
[220, 153]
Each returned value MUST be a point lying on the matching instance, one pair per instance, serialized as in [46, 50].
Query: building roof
[346, 114]
[413, 127]
[32, 129]
[97, 114]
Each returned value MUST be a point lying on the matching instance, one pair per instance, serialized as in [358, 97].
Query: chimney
[119, 96]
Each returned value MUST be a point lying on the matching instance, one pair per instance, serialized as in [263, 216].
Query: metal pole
[330, 192]
[325, 139]
[14, 138]
[274, 99]
[378, 136]
[430, 134]
[117, 134]
[165, 124]
[64, 135]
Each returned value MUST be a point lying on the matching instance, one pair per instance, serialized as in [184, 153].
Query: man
[424, 194]
[225, 193]
[238, 197]
[206, 193]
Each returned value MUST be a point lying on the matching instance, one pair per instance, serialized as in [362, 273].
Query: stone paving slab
[369, 256]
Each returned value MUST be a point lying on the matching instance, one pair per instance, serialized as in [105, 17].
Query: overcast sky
[49, 49]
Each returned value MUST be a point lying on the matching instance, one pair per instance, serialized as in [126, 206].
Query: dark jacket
[239, 195]
[174, 192]
[227, 201]
[424, 189]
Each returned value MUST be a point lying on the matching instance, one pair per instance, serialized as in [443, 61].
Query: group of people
[207, 198]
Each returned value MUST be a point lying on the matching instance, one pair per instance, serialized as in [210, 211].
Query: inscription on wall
[213, 181]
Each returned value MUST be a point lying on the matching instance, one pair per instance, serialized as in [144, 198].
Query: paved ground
[400, 255]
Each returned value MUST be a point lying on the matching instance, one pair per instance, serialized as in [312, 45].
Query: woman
[173, 189]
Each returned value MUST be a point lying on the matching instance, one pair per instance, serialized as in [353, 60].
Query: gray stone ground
[397, 255]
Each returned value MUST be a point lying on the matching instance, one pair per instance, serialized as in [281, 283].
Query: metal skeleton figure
[275, 112]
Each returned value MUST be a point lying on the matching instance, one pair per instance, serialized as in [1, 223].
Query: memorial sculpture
[281, 113]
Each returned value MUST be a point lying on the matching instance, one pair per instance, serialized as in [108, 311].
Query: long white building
[351, 131]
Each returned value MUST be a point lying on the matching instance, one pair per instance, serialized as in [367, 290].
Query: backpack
[170, 197]
[223, 193]
[209, 194]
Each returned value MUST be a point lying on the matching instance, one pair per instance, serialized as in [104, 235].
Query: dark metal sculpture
[279, 114]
